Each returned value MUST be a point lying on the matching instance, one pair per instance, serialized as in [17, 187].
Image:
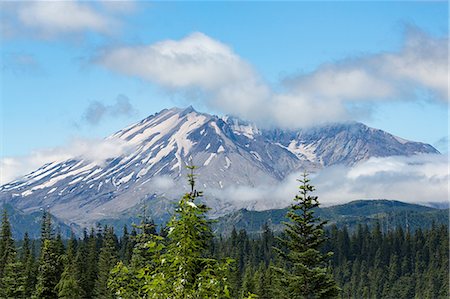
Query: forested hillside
[185, 260]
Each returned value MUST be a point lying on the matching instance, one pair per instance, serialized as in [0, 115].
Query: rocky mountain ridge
[228, 152]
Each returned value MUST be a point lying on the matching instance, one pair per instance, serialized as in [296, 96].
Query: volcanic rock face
[227, 151]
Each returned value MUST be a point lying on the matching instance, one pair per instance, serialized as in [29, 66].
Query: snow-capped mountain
[227, 151]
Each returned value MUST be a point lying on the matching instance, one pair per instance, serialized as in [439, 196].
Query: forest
[183, 259]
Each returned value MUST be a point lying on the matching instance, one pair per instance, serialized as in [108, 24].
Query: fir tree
[13, 280]
[49, 270]
[183, 270]
[49, 267]
[68, 286]
[6, 243]
[106, 261]
[28, 262]
[306, 275]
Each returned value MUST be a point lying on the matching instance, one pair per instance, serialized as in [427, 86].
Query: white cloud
[421, 63]
[97, 151]
[338, 91]
[416, 179]
[162, 183]
[195, 61]
[50, 19]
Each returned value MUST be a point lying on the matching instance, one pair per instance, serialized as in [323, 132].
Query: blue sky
[60, 79]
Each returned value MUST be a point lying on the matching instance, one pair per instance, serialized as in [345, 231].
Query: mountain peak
[181, 110]
[229, 152]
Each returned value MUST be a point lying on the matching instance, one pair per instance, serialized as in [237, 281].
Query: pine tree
[89, 259]
[49, 265]
[106, 261]
[306, 275]
[13, 280]
[183, 270]
[49, 270]
[6, 242]
[46, 227]
[68, 286]
[28, 261]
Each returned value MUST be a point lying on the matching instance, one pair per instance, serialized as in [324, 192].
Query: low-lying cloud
[337, 91]
[415, 179]
[92, 150]
[97, 111]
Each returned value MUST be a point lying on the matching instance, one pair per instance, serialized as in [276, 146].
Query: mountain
[228, 151]
[389, 213]
[31, 223]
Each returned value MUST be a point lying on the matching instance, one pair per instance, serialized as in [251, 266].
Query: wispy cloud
[422, 62]
[416, 179]
[93, 150]
[97, 111]
[55, 19]
[335, 91]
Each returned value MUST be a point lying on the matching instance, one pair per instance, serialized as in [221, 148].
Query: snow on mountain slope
[228, 152]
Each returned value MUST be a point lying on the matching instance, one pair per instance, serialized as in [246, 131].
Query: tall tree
[106, 261]
[68, 286]
[49, 270]
[49, 267]
[13, 280]
[185, 270]
[6, 242]
[306, 274]
[28, 261]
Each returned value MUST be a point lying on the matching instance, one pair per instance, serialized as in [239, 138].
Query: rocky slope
[228, 152]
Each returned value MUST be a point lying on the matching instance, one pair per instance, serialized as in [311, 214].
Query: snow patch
[126, 179]
[76, 180]
[228, 161]
[209, 159]
[26, 193]
[401, 140]
[216, 128]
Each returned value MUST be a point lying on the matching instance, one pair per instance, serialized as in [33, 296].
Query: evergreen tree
[46, 227]
[49, 267]
[90, 267]
[49, 270]
[306, 275]
[184, 271]
[13, 281]
[68, 286]
[6, 243]
[106, 261]
[28, 262]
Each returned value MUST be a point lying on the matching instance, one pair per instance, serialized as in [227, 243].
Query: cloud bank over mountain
[415, 179]
[93, 150]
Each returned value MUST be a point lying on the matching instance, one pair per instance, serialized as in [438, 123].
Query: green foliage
[13, 280]
[106, 261]
[68, 286]
[48, 271]
[306, 275]
[50, 264]
[185, 261]
[183, 270]
[7, 248]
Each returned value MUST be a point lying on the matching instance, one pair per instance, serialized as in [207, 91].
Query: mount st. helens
[227, 151]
